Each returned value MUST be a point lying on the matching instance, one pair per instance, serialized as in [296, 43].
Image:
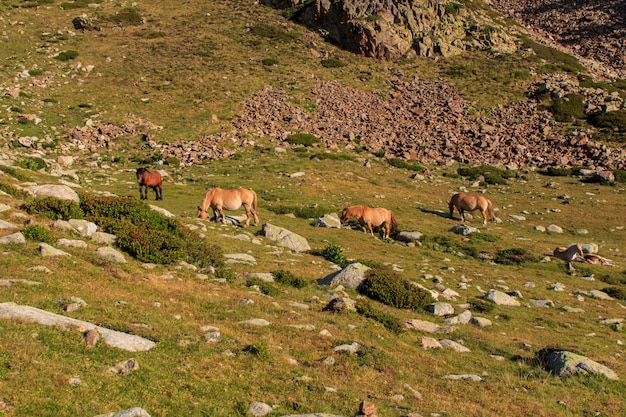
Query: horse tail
[394, 221]
[492, 215]
[254, 200]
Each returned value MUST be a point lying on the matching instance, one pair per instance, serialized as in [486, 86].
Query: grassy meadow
[177, 64]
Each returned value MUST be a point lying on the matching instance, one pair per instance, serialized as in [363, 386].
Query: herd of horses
[219, 199]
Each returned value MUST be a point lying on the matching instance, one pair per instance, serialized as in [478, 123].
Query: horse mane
[207, 198]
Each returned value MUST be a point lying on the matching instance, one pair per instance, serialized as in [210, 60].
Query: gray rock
[14, 238]
[240, 258]
[285, 238]
[352, 348]
[408, 237]
[103, 238]
[542, 303]
[464, 230]
[455, 377]
[351, 276]
[4, 207]
[111, 337]
[329, 220]
[107, 253]
[564, 364]
[555, 229]
[480, 321]
[440, 309]
[72, 243]
[256, 322]
[7, 225]
[454, 345]
[263, 276]
[83, 227]
[590, 248]
[62, 192]
[48, 251]
[161, 211]
[131, 412]
[421, 325]
[501, 298]
[259, 409]
[462, 318]
[430, 343]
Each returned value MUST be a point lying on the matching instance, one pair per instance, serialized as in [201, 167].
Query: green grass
[207, 58]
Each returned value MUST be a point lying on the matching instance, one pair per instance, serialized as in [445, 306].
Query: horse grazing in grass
[465, 202]
[149, 179]
[219, 200]
[368, 216]
[569, 254]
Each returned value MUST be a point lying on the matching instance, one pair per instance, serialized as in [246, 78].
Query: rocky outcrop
[387, 29]
[593, 30]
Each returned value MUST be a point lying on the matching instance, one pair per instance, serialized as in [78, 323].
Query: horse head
[202, 213]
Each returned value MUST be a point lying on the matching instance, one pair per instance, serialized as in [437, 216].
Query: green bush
[558, 172]
[66, 55]
[54, 208]
[274, 33]
[31, 163]
[618, 293]
[391, 323]
[569, 108]
[303, 139]
[610, 120]
[38, 234]
[332, 63]
[333, 253]
[144, 244]
[514, 256]
[391, 289]
[333, 156]
[172, 161]
[619, 279]
[15, 173]
[265, 287]
[12, 190]
[491, 175]
[410, 165]
[269, 62]
[256, 349]
[128, 17]
[620, 175]
[481, 305]
[306, 212]
[288, 278]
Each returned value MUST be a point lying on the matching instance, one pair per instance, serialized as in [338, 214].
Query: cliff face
[386, 29]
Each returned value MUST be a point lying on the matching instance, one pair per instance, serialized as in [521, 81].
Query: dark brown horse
[149, 179]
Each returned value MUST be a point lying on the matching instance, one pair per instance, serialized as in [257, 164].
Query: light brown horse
[219, 200]
[465, 202]
[149, 179]
[368, 216]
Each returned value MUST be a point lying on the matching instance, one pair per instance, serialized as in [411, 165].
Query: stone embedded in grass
[460, 377]
[256, 322]
[285, 238]
[501, 298]
[447, 343]
[351, 276]
[440, 309]
[352, 348]
[107, 253]
[564, 364]
[48, 251]
[7, 225]
[62, 192]
[14, 238]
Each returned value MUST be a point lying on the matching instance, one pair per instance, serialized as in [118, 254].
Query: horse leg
[248, 214]
[141, 193]
[221, 210]
[484, 213]
[159, 191]
[371, 230]
[462, 213]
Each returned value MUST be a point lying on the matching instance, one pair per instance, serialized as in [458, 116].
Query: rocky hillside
[593, 30]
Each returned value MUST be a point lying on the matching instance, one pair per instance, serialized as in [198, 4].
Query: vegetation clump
[389, 288]
[333, 253]
[487, 174]
[391, 323]
[265, 287]
[31, 163]
[66, 55]
[288, 278]
[143, 233]
[332, 63]
[272, 32]
[569, 108]
[304, 139]
[410, 165]
[38, 233]
[513, 256]
[481, 305]
[611, 120]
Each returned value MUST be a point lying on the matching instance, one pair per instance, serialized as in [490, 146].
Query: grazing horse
[465, 202]
[569, 254]
[150, 179]
[369, 217]
[219, 200]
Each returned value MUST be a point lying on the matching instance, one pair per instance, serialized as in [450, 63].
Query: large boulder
[62, 192]
[351, 276]
[285, 238]
[565, 364]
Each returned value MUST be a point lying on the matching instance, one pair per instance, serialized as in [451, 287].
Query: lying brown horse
[368, 216]
[151, 179]
[219, 200]
[569, 254]
[465, 202]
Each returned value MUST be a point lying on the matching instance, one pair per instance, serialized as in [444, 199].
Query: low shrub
[265, 287]
[332, 63]
[305, 212]
[38, 233]
[610, 120]
[333, 253]
[12, 190]
[288, 278]
[410, 165]
[66, 55]
[618, 293]
[514, 256]
[391, 323]
[618, 279]
[304, 139]
[54, 208]
[256, 349]
[15, 173]
[127, 18]
[31, 163]
[389, 288]
[620, 175]
[172, 161]
[489, 174]
[558, 172]
[481, 305]
[333, 156]
[569, 108]
[275, 33]
[269, 62]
